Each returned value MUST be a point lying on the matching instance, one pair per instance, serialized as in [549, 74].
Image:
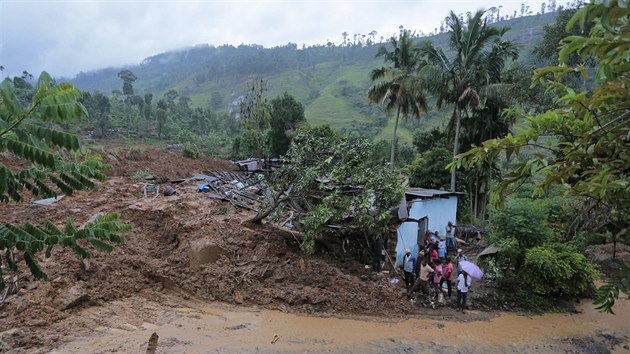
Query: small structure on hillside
[255, 164]
[427, 210]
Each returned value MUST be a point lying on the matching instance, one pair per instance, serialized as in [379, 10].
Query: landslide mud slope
[186, 243]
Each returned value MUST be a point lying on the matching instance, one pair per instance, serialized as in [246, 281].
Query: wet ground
[189, 257]
[188, 326]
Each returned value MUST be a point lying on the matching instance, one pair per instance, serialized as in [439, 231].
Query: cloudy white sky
[66, 37]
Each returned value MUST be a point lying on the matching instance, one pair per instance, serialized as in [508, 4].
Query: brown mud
[190, 256]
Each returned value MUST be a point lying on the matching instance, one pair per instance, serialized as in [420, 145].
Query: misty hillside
[329, 80]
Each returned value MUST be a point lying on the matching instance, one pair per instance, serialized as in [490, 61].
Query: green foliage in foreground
[547, 271]
[609, 292]
[589, 151]
[28, 239]
[531, 259]
[25, 132]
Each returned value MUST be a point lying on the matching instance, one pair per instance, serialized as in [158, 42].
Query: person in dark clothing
[409, 268]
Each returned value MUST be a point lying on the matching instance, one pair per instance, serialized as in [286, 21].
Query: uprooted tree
[330, 179]
[582, 146]
[26, 132]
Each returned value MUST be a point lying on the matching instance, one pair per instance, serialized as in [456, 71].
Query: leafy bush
[429, 170]
[191, 151]
[550, 272]
[522, 219]
[521, 225]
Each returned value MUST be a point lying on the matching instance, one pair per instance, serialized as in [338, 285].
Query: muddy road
[189, 326]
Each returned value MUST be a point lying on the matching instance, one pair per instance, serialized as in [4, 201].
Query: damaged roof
[423, 193]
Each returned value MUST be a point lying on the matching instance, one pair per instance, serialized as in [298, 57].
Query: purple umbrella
[472, 269]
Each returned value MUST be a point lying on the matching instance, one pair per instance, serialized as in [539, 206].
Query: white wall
[439, 212]
[408, 234]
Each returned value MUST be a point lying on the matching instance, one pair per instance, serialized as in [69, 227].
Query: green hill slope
[331, 81]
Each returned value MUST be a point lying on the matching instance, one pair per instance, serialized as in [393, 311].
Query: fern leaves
[610, 291]
[25, 132]
[103, 233]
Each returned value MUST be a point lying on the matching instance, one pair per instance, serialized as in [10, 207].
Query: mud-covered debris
[71, 297]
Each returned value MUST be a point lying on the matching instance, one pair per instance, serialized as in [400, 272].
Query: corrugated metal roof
[423, 193]
[490, 250]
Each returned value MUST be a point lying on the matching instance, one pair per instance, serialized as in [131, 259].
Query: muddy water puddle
[218, 328]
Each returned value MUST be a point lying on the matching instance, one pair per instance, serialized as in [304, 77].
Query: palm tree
[399, 88]
[465, 79]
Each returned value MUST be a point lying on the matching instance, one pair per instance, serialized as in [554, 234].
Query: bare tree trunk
[458, 123]
[263, 214]
[393, 153]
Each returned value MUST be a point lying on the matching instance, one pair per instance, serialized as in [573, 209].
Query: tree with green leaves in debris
[255, 113]
[333, 178]
[26, 133]
[582, 146]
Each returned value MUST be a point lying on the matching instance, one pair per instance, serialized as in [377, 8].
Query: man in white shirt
[464, 281]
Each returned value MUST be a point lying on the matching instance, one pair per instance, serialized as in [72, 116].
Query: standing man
[464, 281]
[409, 267]
[450, 236]
[423, 279]
[448, 276]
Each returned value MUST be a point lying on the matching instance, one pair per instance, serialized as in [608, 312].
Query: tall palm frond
[399, 88]
[479, 55]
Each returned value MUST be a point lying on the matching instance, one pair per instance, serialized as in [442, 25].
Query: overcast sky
[66, 37]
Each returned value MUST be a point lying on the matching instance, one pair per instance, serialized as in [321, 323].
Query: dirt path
[187, 326]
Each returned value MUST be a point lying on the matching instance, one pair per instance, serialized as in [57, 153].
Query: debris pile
[241, 189]
[187, 243]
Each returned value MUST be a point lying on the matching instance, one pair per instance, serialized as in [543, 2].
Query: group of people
[432, 268]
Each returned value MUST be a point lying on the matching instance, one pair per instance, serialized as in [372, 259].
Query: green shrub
[547, 271]
[522, 219]
[521, 225]
[134, 154]
[191, 151]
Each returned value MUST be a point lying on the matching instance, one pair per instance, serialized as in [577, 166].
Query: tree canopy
[469, 77]
[582, 146]
[399, 88]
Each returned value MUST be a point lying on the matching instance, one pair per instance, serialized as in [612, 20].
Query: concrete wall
[439, 212]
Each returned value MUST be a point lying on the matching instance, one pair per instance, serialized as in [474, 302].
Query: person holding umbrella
[463, 283]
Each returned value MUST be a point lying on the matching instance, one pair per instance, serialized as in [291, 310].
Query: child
[437, 278]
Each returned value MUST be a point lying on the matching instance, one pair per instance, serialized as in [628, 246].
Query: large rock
[71, 297]
[204, 252]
